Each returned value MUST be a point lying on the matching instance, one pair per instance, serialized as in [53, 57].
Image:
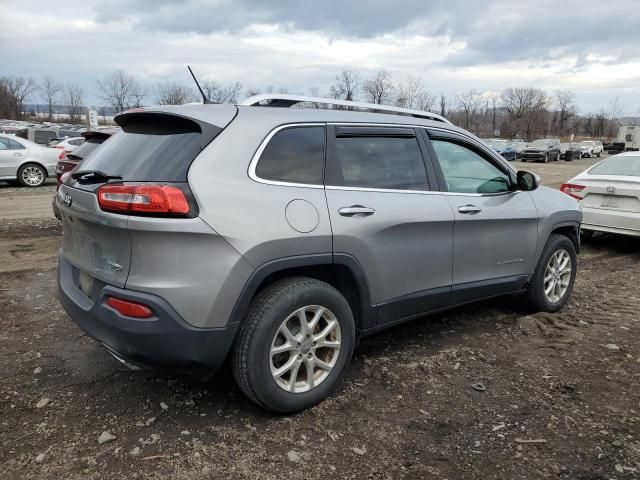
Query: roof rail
[285, 100]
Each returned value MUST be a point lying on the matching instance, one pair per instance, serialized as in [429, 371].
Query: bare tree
[253, 91]
[74, 100]
[469, 105]
[614, 112]
[171, 93]
[218, 93]
[347, 85]
[564, 101]
[14, 92]
[526, 109]
[378, 89]
[50, 91]
[443, 104]
[138, 94]
[117, 90]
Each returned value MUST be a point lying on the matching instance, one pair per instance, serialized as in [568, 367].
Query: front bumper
[532, 156]
[164, 341]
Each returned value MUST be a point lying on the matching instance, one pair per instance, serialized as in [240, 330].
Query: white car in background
[69, 144]
[591, 148]
[609, 193]
[25, 161]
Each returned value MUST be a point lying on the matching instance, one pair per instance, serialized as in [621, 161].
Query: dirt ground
[562, 397]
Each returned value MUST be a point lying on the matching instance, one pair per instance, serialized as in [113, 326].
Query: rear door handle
[469, 209]
[356, 211]
[16, 154]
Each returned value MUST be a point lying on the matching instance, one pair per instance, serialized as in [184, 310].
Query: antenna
[205, 100]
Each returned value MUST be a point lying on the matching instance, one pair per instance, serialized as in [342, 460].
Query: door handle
[357, 211]
[469, 209]
[16, 154]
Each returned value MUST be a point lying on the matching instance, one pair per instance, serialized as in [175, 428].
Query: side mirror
[527, 181]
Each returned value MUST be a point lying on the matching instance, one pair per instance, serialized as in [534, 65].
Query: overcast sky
[589, 46]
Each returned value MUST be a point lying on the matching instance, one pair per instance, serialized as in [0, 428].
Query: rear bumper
[612, 221]
[164, 341]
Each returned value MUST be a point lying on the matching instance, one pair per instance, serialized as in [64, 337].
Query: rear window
[87, 147]
[624, 165]
[155, 148]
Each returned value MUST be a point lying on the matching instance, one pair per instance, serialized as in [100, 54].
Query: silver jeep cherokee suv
[280, 236]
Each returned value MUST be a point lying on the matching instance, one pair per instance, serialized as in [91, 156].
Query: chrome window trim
[263, 145]
[256, 157]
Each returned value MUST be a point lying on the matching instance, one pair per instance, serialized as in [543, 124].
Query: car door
[11, 155]
[495, 231]
[385, 215]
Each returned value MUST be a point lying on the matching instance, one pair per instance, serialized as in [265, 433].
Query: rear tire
[273, 337]
[31, 175]
[551, 284]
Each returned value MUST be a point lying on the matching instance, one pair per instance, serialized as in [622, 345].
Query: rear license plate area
[85, 284]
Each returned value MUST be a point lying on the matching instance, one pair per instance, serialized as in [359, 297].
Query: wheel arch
[569, 230]
[32, 162]
[342, 271]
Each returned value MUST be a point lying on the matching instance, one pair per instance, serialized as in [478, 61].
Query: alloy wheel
[557, 276]
[33, 176]
[305, 349]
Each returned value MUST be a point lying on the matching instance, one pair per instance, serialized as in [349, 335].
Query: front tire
[31, 175]
[546, 158]
[552, 283]
[294, 345]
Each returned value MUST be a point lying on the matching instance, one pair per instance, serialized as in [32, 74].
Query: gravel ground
[561, 397]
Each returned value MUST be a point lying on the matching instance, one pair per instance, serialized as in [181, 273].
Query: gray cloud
[589, 46]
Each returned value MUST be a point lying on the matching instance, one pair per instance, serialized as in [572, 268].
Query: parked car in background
[27, 162]
[591, 148]
[629, 136]
[39, 135]
[68, 144]
[570, 151]
[503, 147]
[329, 225]
[544, 149]
[519, 145]
[609, 193]
[69, 160]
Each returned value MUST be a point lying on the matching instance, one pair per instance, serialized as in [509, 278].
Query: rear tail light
[63, 154]
[128, 308]
[144, 199]
[572, 190]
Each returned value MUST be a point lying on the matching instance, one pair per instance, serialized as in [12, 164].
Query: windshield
[540, 142]
[618, 165]
[586, 143]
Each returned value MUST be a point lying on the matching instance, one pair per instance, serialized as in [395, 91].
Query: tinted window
[13, 145]
[465, 171]
[87, 147]
[378, 162]
[43, 136]
[4, 144]
[294, 155]
[148, 149]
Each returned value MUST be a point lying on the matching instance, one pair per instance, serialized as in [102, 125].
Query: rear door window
[377, 158]
[294, 155]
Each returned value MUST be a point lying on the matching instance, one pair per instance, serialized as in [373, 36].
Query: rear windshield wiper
[93, 175]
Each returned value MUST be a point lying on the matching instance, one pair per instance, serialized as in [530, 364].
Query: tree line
[524, 112]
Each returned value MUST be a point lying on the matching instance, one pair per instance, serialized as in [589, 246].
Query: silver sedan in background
[25, 161]
[609, 193]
